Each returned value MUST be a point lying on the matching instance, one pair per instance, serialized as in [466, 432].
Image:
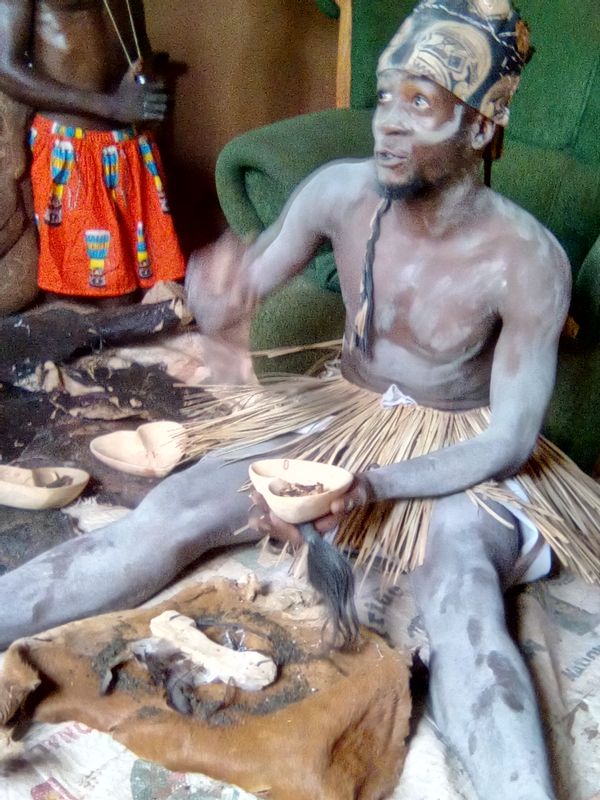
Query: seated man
[103, 220]
[458, 303]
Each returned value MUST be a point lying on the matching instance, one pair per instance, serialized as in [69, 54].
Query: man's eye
[420, 101]
[383, 96]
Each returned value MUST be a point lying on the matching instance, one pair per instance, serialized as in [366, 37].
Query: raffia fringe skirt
[563, 502]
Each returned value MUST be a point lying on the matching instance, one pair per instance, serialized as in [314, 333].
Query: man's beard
[416, 188]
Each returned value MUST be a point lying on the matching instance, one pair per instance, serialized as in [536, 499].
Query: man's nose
[395, 120]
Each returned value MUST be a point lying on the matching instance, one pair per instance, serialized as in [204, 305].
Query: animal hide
[331, 727]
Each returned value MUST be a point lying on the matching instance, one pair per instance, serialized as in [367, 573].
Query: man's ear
[482, 132]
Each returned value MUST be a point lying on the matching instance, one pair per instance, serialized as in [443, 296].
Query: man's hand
[139, 99]
[359, 494]
[263, 519]
[216, 284]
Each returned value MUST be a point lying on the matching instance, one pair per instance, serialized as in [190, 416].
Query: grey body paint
[480, 291]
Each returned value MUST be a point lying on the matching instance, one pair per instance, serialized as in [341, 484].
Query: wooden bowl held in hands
[41, 487]
[152, 450]
[298, 490]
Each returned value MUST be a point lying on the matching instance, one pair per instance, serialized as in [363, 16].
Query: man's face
[420, 132]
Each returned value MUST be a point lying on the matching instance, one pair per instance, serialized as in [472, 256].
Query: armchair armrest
[572, 419]
[586, 297]
[257, 171]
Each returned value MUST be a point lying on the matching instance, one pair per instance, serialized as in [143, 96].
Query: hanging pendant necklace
[111, 16]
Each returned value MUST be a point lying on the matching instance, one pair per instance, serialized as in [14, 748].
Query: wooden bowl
[152, 450]
[41, 487]
[268, 475]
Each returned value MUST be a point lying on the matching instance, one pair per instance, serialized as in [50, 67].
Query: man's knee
[468, 553]
[462, 532]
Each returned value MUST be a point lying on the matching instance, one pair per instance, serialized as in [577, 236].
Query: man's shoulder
[536, 267]
[523, 229]
[528, 244]
[344, 179]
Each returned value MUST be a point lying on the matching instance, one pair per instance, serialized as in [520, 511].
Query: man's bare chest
[436, 296]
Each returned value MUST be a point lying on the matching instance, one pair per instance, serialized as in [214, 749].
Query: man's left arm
[522, 380]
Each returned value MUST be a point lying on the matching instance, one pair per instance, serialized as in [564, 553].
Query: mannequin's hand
[139, 99]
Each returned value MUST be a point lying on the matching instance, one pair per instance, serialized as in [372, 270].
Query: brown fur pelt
[333, 725]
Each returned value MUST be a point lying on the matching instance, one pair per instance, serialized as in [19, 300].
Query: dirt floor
[34, 433]
[51, 425]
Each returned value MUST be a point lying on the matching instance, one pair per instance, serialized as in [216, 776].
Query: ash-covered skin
[470, 295]
[479, 686]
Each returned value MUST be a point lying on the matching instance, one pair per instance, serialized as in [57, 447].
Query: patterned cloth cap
[474, 48]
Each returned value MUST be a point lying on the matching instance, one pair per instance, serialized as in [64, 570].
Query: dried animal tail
[330, 573]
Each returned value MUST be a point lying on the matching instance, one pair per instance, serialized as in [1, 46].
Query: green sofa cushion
[297, 313]
[549, 109]
[572, 418]
[586, 299]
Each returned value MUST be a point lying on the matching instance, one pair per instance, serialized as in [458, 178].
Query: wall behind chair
[249, 63]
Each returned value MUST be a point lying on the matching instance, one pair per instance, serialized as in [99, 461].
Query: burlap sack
[332, 726]
[18, 242]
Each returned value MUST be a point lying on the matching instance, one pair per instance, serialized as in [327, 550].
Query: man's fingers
[358, 495]
[261, 518]
[284, 531]
[326, 524]
[346, 503]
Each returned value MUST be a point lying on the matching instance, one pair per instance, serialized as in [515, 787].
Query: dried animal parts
[286, 489]
[247, 669]
[18, 244]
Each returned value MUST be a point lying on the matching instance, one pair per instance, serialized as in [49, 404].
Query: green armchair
[550, 166]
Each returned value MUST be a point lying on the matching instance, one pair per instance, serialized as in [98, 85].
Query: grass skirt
[563, 502]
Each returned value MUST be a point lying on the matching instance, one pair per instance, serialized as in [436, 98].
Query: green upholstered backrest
[557, 105]
[551, 164]
[374, 22]
[560, 92]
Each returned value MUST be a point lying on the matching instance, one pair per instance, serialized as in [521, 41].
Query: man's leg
[127, 562]
[481, 693]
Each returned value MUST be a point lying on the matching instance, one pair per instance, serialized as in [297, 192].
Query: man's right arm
[225, 281]
[132, 102]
